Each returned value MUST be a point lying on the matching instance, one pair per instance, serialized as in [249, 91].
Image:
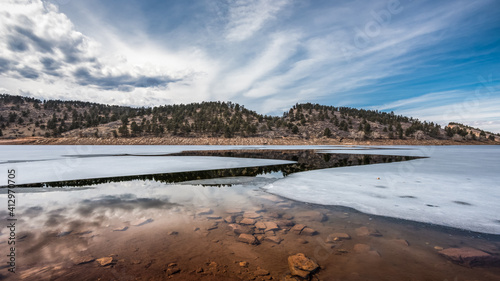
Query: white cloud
[247, 17]
[475, 108]
[264, 54]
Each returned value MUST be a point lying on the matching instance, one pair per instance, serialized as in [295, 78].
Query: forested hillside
[28, 117]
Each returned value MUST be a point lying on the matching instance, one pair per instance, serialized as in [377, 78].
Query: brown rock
[297, 228]
[251, 215]
[402, 242]
[247, 221]
[83, 260]
[469, 257]
[274, 215]
[334, 237]
[361, 248]
[213, 226]
[260, 225]
[205, 211]
[247, 238]
[365, 231]
[261, 272]
[229, 219]
[122, 228]
[287, 216]
[243, 263]
[214, 217]
[172, 270]
[271, 226]
[308, 231]
[285, 223]
[273, 239]
[105, 261]
[239, 229]
[302, 266]
[291, 278]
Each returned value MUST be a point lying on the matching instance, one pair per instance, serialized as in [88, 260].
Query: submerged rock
[213, 226]
[296, 229]
[105, 261]
[285, 223]
[308, 231]
[302, 266]
[469, 257]
[402, 242]
[271, 226]
[248, 238]
[229, 219]
[251, 215]
[214, 217]
[239, 229]
[247, 221]
[365, 231]
[261, 272]
[260, 225]
[83, 260]
[205, 211]
[273, 239]
[334, 237]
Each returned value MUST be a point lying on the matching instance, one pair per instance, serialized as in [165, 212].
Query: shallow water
[147, 224]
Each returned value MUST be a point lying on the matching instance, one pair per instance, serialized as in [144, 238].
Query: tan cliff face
[213, 123]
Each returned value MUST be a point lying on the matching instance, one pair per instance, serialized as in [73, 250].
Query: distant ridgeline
[29, 117]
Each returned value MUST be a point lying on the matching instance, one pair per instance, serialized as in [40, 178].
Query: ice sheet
[457, 186]
[75, 168]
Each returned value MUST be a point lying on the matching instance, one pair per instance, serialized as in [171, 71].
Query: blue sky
[434, 60]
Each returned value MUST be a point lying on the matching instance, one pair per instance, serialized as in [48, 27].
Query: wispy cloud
[247, 17]
[410, 56]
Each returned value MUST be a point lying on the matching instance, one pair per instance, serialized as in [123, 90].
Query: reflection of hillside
[306, 160]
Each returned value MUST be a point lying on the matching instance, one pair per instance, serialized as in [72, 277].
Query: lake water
[150, 207]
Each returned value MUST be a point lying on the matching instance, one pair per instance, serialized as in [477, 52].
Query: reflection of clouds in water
[62, 223]
[124, 201]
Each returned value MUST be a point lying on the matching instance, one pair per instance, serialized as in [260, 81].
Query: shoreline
[228, 141]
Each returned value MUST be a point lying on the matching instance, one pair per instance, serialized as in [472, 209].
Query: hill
[22, 117]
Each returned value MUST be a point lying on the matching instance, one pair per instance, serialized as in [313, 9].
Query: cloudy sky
[434, 60]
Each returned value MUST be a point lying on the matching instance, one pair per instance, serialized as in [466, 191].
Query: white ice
[38, 164]
[457, 186]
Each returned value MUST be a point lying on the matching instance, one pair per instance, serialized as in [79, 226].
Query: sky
[434, 60]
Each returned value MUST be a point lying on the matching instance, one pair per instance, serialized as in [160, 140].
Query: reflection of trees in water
[307, 160]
